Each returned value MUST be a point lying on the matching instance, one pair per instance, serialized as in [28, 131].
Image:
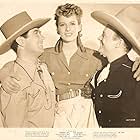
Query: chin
[68, 40]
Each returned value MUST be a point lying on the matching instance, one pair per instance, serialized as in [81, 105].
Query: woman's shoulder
[45, 56]
[89, 50]
[96, 57]
[49, 50]
[92, 53]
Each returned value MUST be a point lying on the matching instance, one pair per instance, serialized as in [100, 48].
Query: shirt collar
[81, 51]
[30, 67]
[118, 62]
[82, 54]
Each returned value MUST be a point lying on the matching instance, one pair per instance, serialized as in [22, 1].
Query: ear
[21, 41]
[119, 43]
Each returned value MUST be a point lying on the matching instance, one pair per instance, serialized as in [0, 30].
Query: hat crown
[130, 17]
[16, 23]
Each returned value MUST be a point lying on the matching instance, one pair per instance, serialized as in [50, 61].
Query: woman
[71, 65]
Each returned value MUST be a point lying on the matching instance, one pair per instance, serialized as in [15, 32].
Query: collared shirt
[34, 104]
[66, 78]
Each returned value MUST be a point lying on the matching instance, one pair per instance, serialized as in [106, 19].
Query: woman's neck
[70, 46]
[69, 50]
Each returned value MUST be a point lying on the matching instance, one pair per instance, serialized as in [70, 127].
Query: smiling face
[68, 28]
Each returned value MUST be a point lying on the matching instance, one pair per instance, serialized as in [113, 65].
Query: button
[52, 73]
[101, 95]
[100, 111]
[109, 120]
[70, 89]
[86, 75]
[68, 73]
[69, 84]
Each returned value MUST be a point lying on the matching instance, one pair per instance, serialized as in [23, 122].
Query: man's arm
[5, 71]
[9, 81]
[137, 92]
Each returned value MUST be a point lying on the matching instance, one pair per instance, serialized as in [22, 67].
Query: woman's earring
[80, 34]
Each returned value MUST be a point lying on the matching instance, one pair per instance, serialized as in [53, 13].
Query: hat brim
[5, 46]
[107, 19]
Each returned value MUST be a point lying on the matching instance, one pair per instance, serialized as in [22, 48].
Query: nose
[100, 39]
[67, 28]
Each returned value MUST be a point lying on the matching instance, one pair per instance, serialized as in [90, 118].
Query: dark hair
[14, 45]
[119, 35]
[68, 10]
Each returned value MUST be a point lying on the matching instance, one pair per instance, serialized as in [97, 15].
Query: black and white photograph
[69, 69]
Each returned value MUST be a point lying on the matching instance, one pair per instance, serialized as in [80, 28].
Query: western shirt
[117, 98]
[82, 67]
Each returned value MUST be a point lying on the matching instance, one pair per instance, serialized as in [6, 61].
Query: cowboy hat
[126, 21]
[16, 26]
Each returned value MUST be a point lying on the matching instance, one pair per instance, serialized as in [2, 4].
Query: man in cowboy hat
[116, 92]
[33, 105]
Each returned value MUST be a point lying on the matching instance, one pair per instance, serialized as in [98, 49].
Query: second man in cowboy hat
[117, 94]
[33, 105]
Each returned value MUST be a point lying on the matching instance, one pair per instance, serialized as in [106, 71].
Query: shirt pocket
[116, 95]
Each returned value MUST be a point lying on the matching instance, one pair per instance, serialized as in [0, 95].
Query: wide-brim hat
[16, 26]
[126, 21]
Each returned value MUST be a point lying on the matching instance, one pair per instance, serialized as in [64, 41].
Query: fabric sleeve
[137, 92]
[5, 70]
